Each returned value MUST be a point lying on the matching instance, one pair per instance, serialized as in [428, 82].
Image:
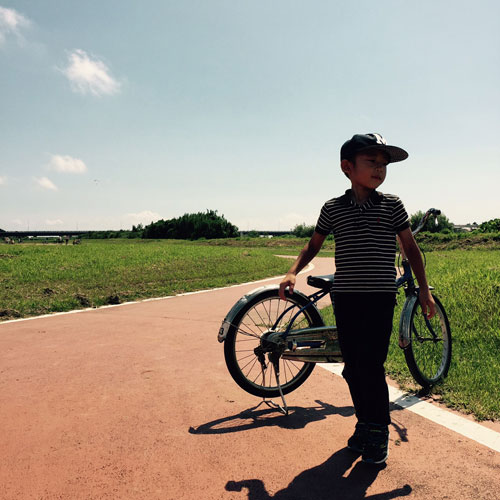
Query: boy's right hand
[288, 281]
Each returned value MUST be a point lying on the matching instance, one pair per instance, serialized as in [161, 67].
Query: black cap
[362, 142]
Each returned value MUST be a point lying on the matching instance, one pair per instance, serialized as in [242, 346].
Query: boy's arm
[412, 252]
[309, 251]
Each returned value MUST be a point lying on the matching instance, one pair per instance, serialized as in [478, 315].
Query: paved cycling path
[135, 402]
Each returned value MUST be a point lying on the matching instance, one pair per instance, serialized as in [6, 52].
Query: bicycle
[260, 324]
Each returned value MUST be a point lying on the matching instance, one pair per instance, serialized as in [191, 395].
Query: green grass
[464, 241]
[468, 284]
[280, 246]
[38, 279]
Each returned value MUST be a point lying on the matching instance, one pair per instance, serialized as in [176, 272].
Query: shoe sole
[376, 462]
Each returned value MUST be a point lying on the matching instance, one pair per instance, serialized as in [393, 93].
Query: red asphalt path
[135, 402]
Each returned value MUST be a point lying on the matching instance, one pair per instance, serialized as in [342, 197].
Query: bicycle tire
[244, 335]
[428, 358]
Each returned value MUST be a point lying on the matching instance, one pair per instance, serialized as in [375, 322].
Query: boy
[365, 223]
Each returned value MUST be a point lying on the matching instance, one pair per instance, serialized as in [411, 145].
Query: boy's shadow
[254, 418]
[325, 481]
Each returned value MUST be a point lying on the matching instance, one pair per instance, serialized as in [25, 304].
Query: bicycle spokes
[418, 334]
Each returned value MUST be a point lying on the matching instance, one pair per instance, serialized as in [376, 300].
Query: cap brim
[395, 153]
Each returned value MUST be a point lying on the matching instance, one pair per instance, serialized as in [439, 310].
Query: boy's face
[368, 170]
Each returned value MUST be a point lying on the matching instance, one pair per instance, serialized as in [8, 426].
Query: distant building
[465, 227]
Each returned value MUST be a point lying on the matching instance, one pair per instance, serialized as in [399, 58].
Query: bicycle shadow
[253, 418]
[325, 481]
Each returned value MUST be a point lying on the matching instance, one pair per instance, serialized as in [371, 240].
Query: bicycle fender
[405, 318]
[235, 310]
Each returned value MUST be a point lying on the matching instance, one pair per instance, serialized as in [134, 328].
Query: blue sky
[119, 112]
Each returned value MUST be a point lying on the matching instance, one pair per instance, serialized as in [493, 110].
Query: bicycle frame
[321, 341]
[315, 297]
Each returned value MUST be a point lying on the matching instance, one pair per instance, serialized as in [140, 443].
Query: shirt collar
[374, 199]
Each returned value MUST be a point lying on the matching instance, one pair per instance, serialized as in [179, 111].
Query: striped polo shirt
[365, 240]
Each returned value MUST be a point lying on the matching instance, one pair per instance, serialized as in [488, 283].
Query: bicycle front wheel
[428, 354]
[244, 335]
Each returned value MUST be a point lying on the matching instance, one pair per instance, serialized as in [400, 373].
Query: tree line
[211, 225]
[440, 224]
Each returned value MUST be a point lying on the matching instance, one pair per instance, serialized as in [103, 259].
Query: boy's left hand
[427, 303]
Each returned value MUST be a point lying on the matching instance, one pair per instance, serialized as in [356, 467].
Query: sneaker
[358, 440]
[376, 449]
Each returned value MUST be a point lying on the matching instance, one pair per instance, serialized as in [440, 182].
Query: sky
[119, 112]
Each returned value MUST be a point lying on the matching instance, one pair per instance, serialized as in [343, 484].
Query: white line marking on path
[310, 267]
[461, 425]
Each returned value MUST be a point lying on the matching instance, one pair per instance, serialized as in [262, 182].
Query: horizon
[83, 231]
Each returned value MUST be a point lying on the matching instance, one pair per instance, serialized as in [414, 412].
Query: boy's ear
[346, 166]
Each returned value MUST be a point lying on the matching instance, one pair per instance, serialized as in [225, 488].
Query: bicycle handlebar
[432, 211]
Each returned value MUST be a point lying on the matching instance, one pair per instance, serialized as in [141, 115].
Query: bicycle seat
[324, 282]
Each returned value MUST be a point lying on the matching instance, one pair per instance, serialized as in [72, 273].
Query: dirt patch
[113, 299]
[82, 300]
[9, 313]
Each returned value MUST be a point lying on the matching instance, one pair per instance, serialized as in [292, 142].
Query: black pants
[364, 322]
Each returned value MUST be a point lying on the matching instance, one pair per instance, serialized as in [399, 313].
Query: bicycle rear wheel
[428, 354]
[254, 320]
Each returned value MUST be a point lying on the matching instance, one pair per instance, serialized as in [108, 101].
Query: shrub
[491, 226]
[303, 231]
[192, 227]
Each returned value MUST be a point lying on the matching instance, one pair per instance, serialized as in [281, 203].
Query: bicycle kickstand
[269, 402]
[283, 408]
[275, 363]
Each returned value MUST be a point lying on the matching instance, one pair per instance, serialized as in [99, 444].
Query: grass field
[38, 279]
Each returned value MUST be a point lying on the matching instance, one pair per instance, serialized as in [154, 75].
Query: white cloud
[67, 164]
[144, 217]
[53, 222]
[45, 183]
[3, 180]
[11, 22]
[89, 75]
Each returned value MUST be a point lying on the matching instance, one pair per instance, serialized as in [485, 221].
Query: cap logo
[379, 139]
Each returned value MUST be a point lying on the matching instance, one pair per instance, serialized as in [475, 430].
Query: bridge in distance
[47, 234]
